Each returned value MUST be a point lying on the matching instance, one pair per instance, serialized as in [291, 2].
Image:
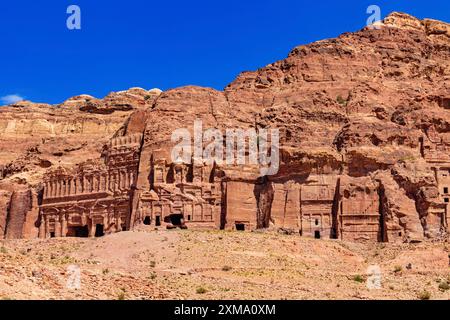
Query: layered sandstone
[365, 147]
[35, 138]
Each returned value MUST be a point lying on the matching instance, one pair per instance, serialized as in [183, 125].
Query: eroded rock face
[364, 143]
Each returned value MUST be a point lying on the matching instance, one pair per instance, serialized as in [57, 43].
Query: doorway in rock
[240, 227]
[52, 234]
[99, 232]
[79, 232]
[147, 221]
[157, 221]
[176, 219]
[317, 234]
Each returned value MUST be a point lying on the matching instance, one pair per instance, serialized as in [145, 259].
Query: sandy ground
[185, 264]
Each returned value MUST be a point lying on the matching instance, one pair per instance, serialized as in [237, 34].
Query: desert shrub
[358, 278]
[201, 290]
[425, 295]
[444, 285]
[121, 296]
[341, 100]
[226, 268]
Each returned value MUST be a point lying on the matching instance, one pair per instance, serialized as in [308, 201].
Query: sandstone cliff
[365, 141]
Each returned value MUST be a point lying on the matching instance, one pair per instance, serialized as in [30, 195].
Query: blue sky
[164, 44]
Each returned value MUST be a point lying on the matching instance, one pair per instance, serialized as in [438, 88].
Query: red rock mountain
[364, 125]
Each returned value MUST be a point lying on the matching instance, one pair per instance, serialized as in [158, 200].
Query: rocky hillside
[178, 265]
[37, 137]
[371, 107]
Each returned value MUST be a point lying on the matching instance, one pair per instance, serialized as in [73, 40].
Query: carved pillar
[120, 179]
[53, 188]
[108, 181]
[68, 186]
[48, 186]
[90, 186]
[80, 185]
[119, 223]
[74, 186]
[110, 217]
[100, 182]
[55, 191]
[103, 182]
[115, 181]
[68, 182]
[133, 177]
[63, 225]
[130, 178]
[98, 179]
[92, 182]
[105, 219]
[127, 179]
[58, 188]
[64, 187]
[91, 227]
[152, 210]
[85, 190]
[95, 182]
[42, 227]
[58, 226]
[46, 228]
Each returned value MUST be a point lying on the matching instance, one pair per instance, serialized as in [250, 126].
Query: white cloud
[11, 98]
